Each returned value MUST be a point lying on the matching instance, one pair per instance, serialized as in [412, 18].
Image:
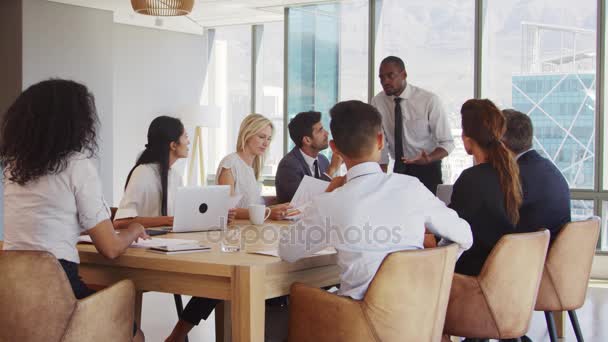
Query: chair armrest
[317, 315]
[107, 315]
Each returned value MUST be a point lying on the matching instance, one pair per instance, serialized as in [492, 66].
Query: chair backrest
[510, 279]
[37, 300]
[407, 300]
[568, 267]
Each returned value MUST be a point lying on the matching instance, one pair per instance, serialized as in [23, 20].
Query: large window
[539, 57]
[269, 86]
[435, 39]
[327, 56]
[228, 86]
[536, 56]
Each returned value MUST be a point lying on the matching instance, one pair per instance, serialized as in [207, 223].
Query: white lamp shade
[201, 116]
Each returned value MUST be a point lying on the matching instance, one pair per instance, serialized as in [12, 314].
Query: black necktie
[398, 135]
[316, 165]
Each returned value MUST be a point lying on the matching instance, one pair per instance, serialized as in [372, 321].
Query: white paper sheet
[153, 242]
[309, 188]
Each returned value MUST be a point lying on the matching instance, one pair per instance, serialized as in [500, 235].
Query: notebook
[179, 249]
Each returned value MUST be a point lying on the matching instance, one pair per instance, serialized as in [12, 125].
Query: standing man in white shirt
[368, 214]
[415, 125]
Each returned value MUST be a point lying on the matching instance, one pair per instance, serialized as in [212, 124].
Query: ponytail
[162, 131]
[508, 175]
[483, 122]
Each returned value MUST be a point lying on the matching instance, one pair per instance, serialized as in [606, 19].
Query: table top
[213, 262]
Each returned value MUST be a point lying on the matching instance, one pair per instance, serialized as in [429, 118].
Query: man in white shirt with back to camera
[415, 125]
[368, 214]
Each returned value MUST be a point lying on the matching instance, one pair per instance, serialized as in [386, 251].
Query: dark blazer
[478, 198]
[291, 170]
[546, 202]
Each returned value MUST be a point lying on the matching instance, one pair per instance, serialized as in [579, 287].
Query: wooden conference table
[242, 279]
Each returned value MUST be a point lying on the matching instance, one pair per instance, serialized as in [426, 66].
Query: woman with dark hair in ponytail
[487, 195]
[152, 182]
[150, 191]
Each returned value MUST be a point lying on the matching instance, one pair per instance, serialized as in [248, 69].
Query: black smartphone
[155, 232]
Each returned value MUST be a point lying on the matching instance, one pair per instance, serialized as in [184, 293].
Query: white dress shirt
[143, 195]
[372, 215]
[49, 214]
[425, 122]
[245, 182]
[310, 161]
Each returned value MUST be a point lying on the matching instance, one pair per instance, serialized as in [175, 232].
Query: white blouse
[143, 195]
[245, 182]
[49, 214]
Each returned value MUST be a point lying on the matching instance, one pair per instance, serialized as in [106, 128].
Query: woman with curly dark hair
[52, 191]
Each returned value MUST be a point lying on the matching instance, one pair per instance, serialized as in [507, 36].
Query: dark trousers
[429, 175]
[80, 289]
[198, 309]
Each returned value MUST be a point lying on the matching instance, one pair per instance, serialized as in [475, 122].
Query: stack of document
[309, 188]
[153, 242]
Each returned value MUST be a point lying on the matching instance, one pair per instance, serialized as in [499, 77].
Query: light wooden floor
[159, 317]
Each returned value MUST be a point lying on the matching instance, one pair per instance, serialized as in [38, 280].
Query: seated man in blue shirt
[546, 195]
[307, 133]
[368, 214]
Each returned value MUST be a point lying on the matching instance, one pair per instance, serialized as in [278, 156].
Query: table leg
[222, 322]
[138, 302]
[248, 304]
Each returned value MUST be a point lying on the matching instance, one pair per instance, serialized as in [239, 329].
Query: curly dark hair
[48, 122]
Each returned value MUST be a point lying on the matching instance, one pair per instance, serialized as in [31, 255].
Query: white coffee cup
[258, 213]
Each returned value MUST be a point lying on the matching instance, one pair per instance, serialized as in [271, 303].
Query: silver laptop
[201, 208]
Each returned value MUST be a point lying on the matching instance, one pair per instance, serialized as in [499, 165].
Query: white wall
[75, 43]
[155, 73]
[135, 74]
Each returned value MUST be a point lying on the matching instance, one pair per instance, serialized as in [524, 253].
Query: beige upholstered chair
[38, 303]
[406, 301]
[566, 275]
[498, 303]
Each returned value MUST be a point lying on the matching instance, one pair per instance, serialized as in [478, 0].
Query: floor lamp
[199, 117]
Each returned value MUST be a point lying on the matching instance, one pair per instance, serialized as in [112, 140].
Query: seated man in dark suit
[310, 138]
[546, 195]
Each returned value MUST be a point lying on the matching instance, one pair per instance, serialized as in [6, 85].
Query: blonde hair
[251, 125]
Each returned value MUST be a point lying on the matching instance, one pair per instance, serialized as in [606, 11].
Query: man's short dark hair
[518, 137]
[354, 126]
[300, 126]
[394, 59]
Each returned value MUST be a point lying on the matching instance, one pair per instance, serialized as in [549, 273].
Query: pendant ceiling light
[162, 8]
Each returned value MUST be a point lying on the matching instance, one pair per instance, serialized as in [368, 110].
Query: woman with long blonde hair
[242, 169]
[487, 195]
